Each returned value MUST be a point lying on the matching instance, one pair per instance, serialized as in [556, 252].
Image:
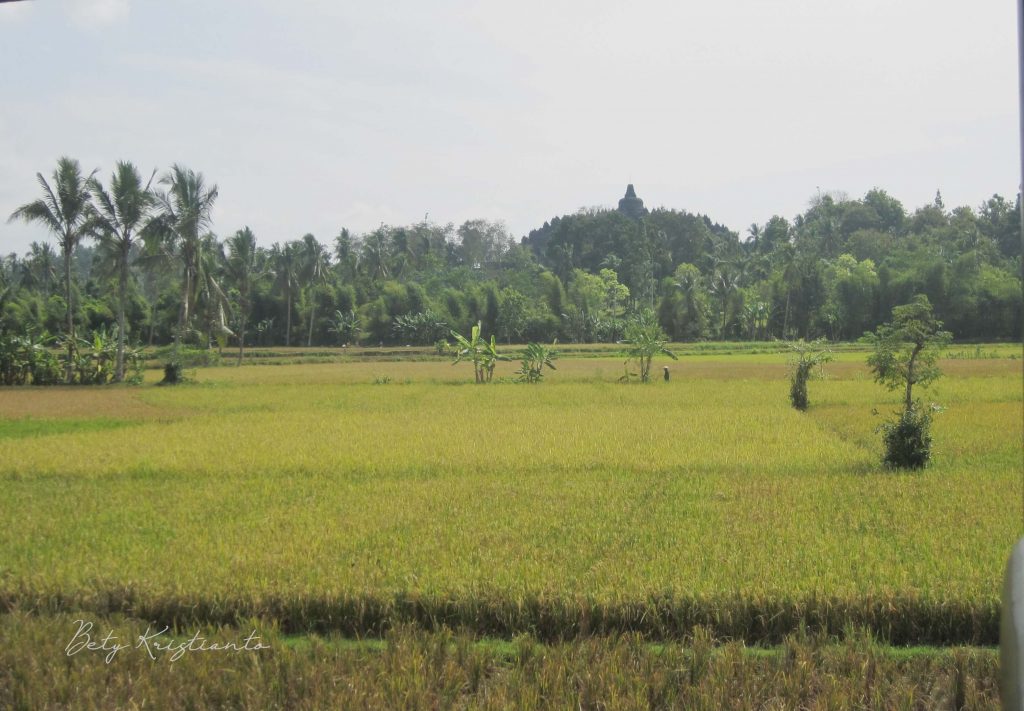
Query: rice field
[359, 496]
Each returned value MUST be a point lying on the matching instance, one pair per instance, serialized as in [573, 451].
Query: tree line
[138, 253]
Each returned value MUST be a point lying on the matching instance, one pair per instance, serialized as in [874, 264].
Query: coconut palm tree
[185, 213]
[724, 282]
[244, 266]
[210, 293]
[403, 250]
[39, 267]
[346, 252]
[788, 262]
[120, 217]
[690, 283]
[285, 262]
[376, 253]
[66, 210]
[313, 271]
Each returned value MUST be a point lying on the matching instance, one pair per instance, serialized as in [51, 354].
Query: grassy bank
[413, 669]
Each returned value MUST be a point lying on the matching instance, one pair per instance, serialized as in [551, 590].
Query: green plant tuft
[908, 439]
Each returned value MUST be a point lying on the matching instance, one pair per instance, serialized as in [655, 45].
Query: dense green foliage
[907, 348]
[836, 271]
[66, 213]
[30, 359]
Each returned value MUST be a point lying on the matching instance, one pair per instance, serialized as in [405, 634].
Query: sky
[314, 115]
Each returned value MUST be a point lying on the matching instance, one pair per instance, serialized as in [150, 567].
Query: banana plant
[491, 358]
[535, 358]
[471, 349]
[346, 325]
[645, 339]
[96, 358]
[482, 353]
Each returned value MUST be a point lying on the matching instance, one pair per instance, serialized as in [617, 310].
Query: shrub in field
[535, 358]
[173, 374]
[905, 352]
[908, 440]
[646, 340]
[806, 361]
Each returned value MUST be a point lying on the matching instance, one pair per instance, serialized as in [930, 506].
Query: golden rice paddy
[353, 496]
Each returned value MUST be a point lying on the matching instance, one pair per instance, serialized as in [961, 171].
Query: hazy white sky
[321, 114]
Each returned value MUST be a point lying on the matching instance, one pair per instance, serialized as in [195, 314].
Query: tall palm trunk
[243, 319]
[241, 340]
[69, 365]
[183, 312]
[725, 314]
[122, 296]
[312, 317]
[785, 318]
[288, 322]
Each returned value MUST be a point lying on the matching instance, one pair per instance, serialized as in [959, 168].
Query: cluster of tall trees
[836, 270]
[138, 251]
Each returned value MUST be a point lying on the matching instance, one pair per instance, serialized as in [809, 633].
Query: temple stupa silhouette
[631, 205]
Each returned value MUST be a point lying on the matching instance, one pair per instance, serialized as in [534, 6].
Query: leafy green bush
[174, 373]
[908, 439]
[346, 326]
[27, 359]
[419, 329]
[95, 358]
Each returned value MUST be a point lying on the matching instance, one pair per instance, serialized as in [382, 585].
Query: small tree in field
[905, 352]
[806, 362]
[646, 340]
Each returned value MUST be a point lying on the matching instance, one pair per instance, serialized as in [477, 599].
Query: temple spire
[631, 205]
